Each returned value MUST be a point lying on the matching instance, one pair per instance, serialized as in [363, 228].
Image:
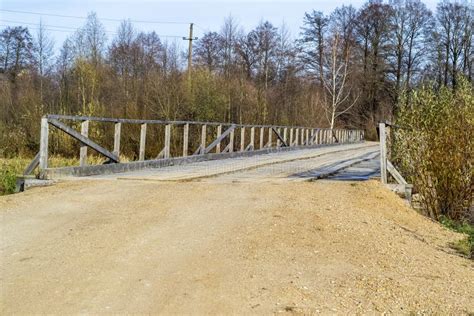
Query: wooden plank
[270, 141]
[185, 140]
[285, 134]
[394, 172]
[32, 166]
[71, 132]
[83, 149]
[231, 141]
[278, 142]
[219, 133]
[167, 148]
[141, 152]
[279, 137]
[43, 159]
[291, 136]
[383, 153]
[203, 138]
[307, 138]
[242, 139]
[117, 136]
[252, 138]
[262, 134]
[219, 139]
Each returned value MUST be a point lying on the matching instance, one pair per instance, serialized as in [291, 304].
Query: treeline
[345, 69]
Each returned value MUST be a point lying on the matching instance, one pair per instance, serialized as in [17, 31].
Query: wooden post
[270, 134]
[291, 136]
[242, 139]
[278, 139]
[383, 153]
[302, 137]
[307, 136]
[262, 134]
[231, 141]
[166, 153]
[203, 138]
[43, 158]
[83, 150]
[141, 153]
[219, 133]
[252, 138]
[285, 134]
[117, 132]
[185, 139]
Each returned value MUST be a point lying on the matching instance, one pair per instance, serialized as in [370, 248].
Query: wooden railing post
[43, 156]
[141, 153]
[167, 149]
[219, 133]
[269, 144]
[262, 134]
[291, 136]
[203, 138]
[117, 132]
[285, 134]
[252, 138]
[278, 144]
[231, 141]
[83, 150]
[242, 139]
[383, 153]
[185, 139]
[307, 137]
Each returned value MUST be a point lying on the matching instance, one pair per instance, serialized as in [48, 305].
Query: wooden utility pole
[190, 49]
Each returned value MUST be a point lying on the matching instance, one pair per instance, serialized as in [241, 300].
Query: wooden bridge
[185, 142]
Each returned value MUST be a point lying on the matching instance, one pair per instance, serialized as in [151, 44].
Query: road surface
[259, 240]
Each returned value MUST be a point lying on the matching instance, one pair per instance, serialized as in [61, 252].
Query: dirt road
[225, 245]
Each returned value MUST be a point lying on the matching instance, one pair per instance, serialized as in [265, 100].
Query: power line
[84, 18]
[65, 29]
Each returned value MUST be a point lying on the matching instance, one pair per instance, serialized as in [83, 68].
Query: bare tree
[43, 53]
[338, 91]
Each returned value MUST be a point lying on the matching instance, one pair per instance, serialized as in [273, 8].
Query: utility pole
[190, 49]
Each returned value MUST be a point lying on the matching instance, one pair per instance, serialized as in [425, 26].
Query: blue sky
[208, 15]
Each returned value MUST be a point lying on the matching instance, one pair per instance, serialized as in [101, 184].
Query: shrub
[433, 147]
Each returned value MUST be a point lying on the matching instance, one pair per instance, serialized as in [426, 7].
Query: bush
[433, 147]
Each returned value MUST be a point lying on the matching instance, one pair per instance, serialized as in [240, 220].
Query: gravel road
[226, 245]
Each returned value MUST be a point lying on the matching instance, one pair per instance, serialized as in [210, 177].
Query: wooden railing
[227, 140]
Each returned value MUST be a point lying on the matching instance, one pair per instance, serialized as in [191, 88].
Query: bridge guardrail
[216, 140]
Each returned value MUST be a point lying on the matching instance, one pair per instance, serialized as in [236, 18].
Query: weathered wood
[307, 142]
[43, 159]
[117, 136]
[262, 134]
[252, 138]
[185, 140]
[83, 149]
[231, 141]
[218, 134]
[32, 165]
[291, 137]
[278, 142]
[383, 153]
[219, 139]
[285, 134]
[297, 133]
[279, 137]
[71, 132]
[141, 152]
[269, 144]
[203, 138]
[167, 148]
[242, 139]
[395, 174]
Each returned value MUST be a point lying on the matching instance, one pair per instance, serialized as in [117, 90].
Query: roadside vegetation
[433, 147]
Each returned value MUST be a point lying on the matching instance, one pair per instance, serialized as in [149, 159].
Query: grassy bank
[10, 169]
[464, 246]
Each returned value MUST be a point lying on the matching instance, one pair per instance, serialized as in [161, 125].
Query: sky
[207, 15]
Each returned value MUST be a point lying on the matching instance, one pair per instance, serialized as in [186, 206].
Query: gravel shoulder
[105, 246]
